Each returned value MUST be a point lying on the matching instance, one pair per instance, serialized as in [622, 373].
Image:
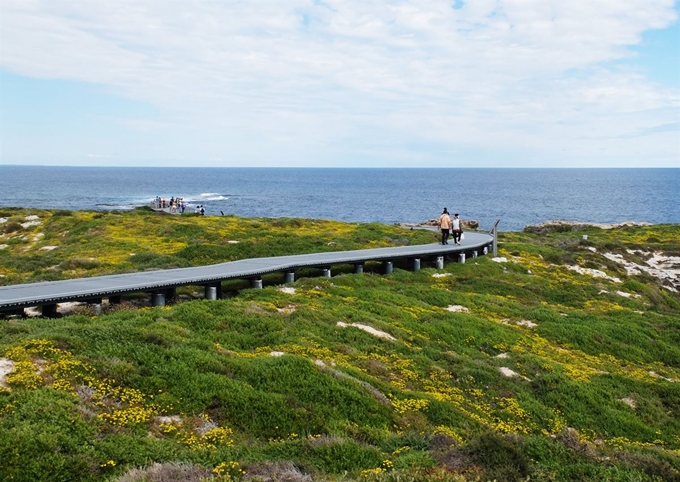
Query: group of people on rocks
[175, 204]
[448, 224]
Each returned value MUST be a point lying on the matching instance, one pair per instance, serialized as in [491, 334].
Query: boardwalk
[161, 283]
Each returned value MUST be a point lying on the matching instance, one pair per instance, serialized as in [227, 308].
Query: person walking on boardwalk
[445, 225]
[455, 229]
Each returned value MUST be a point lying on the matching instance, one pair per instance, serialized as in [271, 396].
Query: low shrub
[12, 227]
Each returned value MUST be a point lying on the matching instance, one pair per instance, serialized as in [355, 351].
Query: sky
[340, 83]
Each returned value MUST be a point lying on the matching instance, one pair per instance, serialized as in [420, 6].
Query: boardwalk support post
[158, 298]
[475, 253]
[211, 292]
[170, 294]
[494, 232]
[415, 264]
[439, 263]
[289, 277]
[256, 283]
[461, 258]
[49, 311]
[358, 268]
[388, 267]
[326, 272]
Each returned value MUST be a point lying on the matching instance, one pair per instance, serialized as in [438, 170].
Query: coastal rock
[566, 226]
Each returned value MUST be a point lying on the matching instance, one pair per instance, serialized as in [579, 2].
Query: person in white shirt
[456, 231]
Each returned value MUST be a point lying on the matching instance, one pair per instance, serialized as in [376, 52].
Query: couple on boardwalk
[446, 224]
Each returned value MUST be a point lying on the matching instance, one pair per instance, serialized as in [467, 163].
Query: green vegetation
[523, 370]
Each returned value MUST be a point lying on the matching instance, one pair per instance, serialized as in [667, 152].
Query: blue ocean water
[517, 196]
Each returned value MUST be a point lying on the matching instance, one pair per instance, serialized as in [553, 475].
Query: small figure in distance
[445, 225]
[457, 232]
[222, 213]
[202, 211]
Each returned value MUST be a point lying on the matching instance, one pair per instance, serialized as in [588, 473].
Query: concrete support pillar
[388, 267]
[358, 268]
[256, 283]
[439, 263]
[415, 264]
[211, 292]
[158, 298]
[475, 253]
[114, 300]
[49, 311]
[326, 272]
[289, 277]
[461, 258]
[485, 251]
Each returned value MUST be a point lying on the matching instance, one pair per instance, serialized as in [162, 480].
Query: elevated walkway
[162, 283]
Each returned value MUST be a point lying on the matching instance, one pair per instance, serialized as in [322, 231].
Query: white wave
[206, 197]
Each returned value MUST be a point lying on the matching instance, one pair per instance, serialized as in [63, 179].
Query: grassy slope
[377, 409]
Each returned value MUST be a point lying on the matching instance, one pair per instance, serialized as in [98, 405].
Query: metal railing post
[494, 231]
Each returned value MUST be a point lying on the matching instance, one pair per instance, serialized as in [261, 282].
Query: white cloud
[419, 79]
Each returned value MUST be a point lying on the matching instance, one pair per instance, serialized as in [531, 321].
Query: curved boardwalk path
[161, 283]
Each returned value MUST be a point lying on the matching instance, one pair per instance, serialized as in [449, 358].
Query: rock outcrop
[565, 226]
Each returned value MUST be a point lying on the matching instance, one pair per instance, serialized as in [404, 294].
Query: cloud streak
[335, 79]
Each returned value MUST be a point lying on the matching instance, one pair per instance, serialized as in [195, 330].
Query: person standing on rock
[445, 225]
[456, 231]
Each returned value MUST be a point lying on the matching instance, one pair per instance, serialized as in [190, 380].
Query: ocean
[517, 196]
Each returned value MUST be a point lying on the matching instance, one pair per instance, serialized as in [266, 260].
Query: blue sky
[427, 83]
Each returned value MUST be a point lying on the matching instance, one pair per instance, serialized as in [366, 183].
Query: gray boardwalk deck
[88, 289]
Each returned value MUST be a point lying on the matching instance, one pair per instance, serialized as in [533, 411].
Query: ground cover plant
[43, 245]
[553, 362]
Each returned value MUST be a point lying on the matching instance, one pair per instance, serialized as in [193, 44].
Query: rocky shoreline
[557, 226]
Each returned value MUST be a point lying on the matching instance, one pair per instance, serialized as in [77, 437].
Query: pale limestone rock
[595, 273]
[28, 224]
[368, 329]
[506, 372]
[6, 367]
